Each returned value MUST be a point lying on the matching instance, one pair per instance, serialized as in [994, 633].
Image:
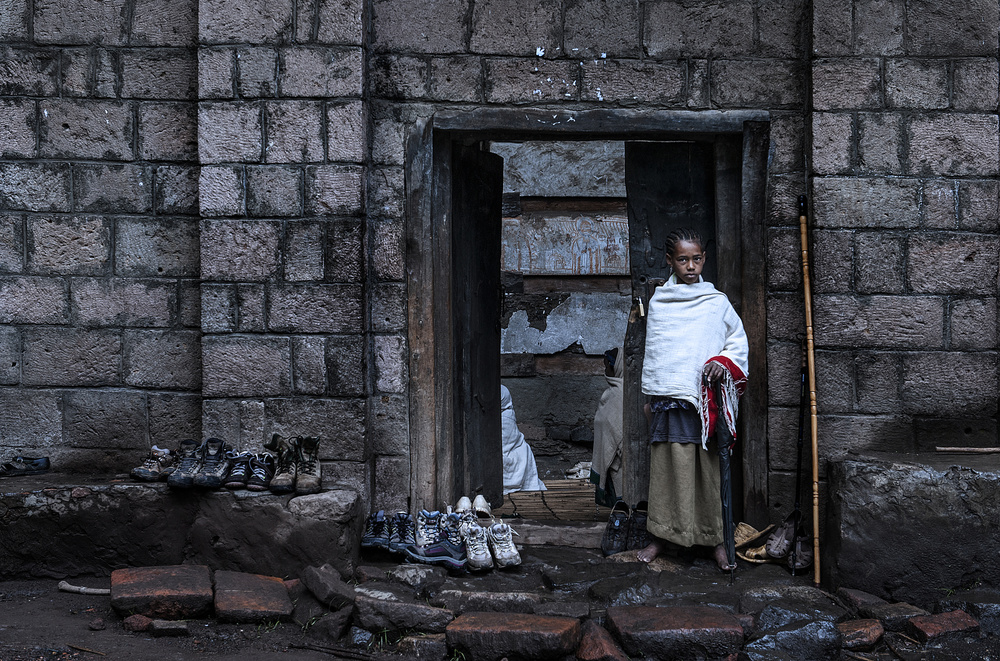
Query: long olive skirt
[684, 502]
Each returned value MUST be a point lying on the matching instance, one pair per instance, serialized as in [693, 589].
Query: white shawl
[687, 325]
[519, 470]
[608, 429]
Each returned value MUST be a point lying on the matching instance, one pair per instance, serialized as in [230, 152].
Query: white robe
[609, 429]
[519, 470]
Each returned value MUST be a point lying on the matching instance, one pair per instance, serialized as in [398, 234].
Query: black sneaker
[24, 466]
[188, 462]
[638, 537]
[239, 470]
[214, 465]
[401, 532]
[615, 537]
[261, 472]
[376, 535]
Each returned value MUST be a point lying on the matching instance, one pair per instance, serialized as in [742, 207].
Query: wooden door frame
[428, 176]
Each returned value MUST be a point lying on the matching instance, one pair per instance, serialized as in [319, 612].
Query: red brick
[928, 628]
[860, 634]
[173, 592]
[243, 597]
[491, 636]
[598, 645]
[675, 632]
[136, 623]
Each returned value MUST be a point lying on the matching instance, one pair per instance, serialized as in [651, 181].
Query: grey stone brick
[220, 191]
[835, 390]
[340, 22]
[592, 29]
[783, 191]
[699, 89]
[252, 424]
[975, 84]
[176, 190]
[173, 417]
[954, 144]
[390, 425]
[80, 22]
[122, 188]
[258, 72]
[456, 78]
[784, 360]
[216, 73]
[157, 23]
[160, 73]
[352, 475]
[880, 263]
[832, 256]
[388, 307]
[392, 481]
[162, 359]
[189, 305]
[939, 203]
[831, 28]
[35, 186]
[229, 132]
[979, 205]
[344, 252]
[832, 135]
[878, 378]
[424, 28]
[33, 301]
[221, 419]
[321, 72]
[974, 324]
[864, 433]
[122, 302]
[345, 132]
[388, 137]
[250, 300]
[11, 243]
[949, 383]
[399, 77]
[340, 424]
[388, 253]
[954, 432]
[168, 132]
[881, 203]
[788, 137]
[15, 21]
[756, 83]
[334, 190]
[10, 358]
[106, 419]
[530, 80]
[920, 84]
[294, 132]
[17, 128]
[880, 139]
[71, 357]
[780, 25]
[86, 129]
[345, 365]
[218, 308]
[30, 418]
[274, 191]
[698, 29]
[521, 27]
[74, 245]
[630, 82]
[315, 308]
[309, 365]
[892, 322]
[846, 83]
[80, 71]
[390, 363]
[246, 366]
[953, 263]
[386, 192]
[878, 27]
[251, 22]
[28, 72]
[304, 251]
[239, 250]
[784, 259]
[950, 27]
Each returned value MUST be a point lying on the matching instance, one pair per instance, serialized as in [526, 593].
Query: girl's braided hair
[683, 234]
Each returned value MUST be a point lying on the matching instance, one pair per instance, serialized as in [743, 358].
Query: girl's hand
[713, 373]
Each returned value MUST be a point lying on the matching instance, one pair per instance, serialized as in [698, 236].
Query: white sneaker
[477, 547]
[463, 505]
[481, 507]
[502, 545]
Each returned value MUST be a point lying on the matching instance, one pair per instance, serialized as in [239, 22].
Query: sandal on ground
[779, 543]
[24, 466]
[803, 553]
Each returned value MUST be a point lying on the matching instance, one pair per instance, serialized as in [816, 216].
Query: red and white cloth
[732, 387]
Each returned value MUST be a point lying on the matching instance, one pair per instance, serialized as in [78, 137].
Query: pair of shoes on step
[24, 466]
[388, 532]
[297, 467]
[250, 470]
[203, 466]
[626, 529]
[489, 543]
[788, 542]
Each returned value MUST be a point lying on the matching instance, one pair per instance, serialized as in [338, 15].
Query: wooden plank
[617, 284]
[569, 363]
[728, 255]
[756, 144]
[581, 535]
[564, 500]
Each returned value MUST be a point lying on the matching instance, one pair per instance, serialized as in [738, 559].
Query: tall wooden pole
[811, 358]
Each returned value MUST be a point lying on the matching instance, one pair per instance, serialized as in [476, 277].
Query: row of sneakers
[626, 529]
[455, 539]
[291, 465]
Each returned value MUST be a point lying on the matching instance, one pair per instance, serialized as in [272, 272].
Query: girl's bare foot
[649, 553]
[722, 559]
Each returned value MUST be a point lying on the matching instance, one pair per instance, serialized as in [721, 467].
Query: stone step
[494, 636]
[931, 628]
[175, 592]
[675, 632]
[243, 597]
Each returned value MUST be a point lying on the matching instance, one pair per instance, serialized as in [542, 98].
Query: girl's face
[687, 261]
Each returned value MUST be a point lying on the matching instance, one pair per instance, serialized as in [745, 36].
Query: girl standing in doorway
[694, 340]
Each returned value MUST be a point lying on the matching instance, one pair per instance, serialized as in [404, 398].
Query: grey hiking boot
[261, 472]
[214, 465]
[188, 462]
[157, 466]
[308, 472]
[286, 464]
